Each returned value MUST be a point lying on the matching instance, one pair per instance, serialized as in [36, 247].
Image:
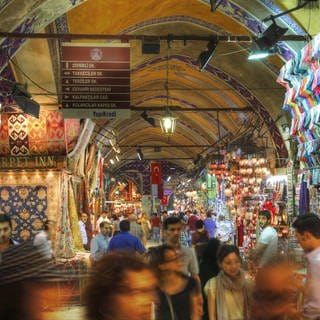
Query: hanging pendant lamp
[168, 122]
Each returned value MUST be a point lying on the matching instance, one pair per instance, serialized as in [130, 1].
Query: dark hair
[156, 255]
[124, 225]
[170, 220]
[199, 224]
[106, 281]
[209, 214]
[46, 225]
[265, 213]
[5, 218]
[211, 250]
[101, 225]
[309, 222]
[225, 250]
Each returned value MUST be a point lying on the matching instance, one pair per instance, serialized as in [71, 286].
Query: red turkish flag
[156, 173]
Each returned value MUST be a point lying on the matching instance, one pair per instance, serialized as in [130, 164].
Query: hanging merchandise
[303, 196]
[211, 186]
[301, 77]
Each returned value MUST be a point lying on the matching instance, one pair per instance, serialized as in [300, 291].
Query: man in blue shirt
[124, 241]
[210, 225]
[100, 243]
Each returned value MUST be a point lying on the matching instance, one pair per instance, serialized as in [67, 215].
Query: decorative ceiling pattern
[229, 81]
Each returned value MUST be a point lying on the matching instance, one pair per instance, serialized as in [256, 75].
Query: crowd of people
[190, 272]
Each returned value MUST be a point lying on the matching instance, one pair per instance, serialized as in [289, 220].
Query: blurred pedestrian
[172, 228]
[209, 266]
[276, 293]
[178, 293]
[121, 287]
[200, 239]
[136, 229]
[308, 234]
[42, 240]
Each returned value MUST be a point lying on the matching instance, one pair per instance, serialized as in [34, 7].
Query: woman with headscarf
[228, 293]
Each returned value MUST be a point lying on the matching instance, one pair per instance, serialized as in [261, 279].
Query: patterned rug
[22, 135]
[27, 206]
[29, 198]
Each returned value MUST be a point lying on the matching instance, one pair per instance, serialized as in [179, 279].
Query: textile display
[36, 132]
[29, 198]
[80, 170]
[92, 150]
[72, 129]
[18, 134]
[21, 134]
[64, 244]
[303, 197]
[93, 178]
[212, 185]
[301, 78]
[83, 140]
[73, 215]
[27, 206]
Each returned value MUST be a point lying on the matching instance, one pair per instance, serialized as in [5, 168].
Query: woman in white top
[228, 293]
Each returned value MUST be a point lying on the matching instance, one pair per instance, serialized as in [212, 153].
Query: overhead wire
[28, 77]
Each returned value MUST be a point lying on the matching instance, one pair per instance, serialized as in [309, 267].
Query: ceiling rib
[127, 37]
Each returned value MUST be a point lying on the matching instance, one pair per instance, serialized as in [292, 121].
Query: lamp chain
[167, 80]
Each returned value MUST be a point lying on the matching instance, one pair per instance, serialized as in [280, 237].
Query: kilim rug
[27, 207]
[22, 135]
[30, 197]
[18, 134]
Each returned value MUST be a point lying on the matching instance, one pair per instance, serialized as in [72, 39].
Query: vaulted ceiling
[248, 88]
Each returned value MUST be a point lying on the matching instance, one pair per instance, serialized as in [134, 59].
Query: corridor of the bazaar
[159, 160]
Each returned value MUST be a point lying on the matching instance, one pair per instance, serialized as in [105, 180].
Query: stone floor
[69, 313]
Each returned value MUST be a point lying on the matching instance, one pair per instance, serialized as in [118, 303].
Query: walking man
[308, 234]
[267, 244]
[82, 225]
[99, 244]
[124, 241]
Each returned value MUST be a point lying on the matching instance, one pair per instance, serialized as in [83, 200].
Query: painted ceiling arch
[231, 80]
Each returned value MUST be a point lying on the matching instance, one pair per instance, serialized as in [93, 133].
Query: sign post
[96, 80]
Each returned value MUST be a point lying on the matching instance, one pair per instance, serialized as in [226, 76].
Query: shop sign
[27, 162]
[290, 190]
[96, 77]
[96, 113]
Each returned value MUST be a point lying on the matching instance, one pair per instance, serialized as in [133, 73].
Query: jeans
[156, 234]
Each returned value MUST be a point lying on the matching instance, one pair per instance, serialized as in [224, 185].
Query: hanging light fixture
[168, 122]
